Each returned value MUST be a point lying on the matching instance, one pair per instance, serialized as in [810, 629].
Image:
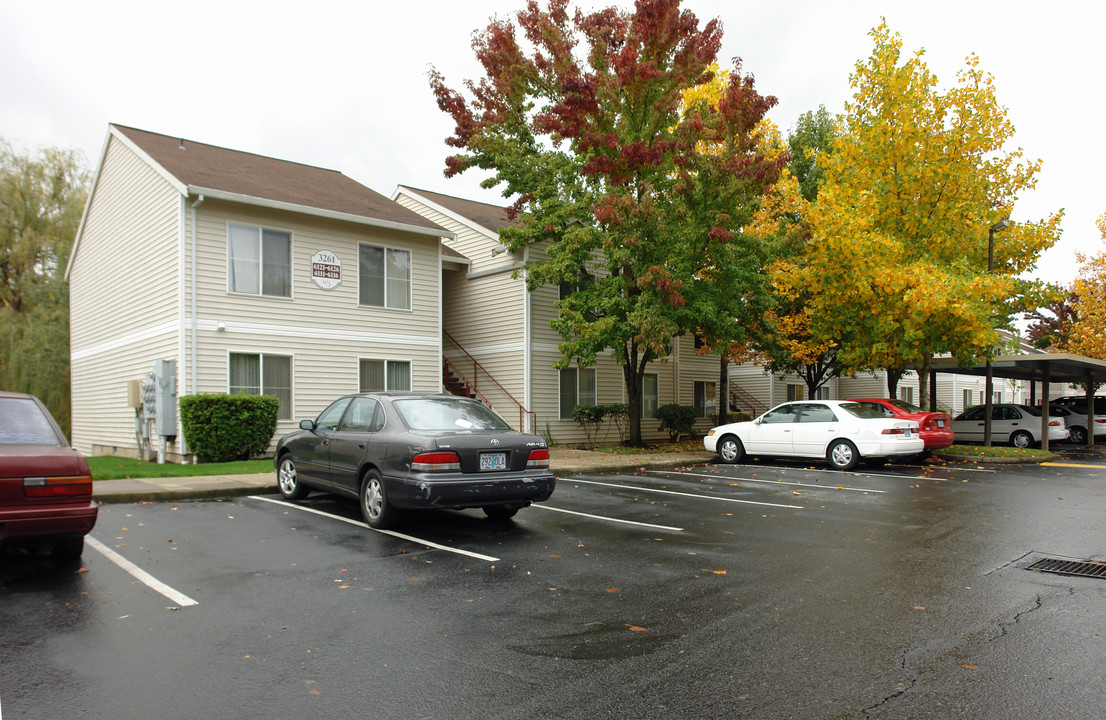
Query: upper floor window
[259, 261]
[384, 276]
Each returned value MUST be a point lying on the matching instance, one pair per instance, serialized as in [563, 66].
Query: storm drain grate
[1070, 567]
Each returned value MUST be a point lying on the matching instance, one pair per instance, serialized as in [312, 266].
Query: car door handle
[360, 446]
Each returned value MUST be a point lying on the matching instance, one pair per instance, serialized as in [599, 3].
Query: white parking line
[420, 541]
[768, 482]
[141, 575]
[608, 519]
[682, 494]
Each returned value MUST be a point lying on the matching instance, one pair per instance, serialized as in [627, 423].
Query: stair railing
[527, 419]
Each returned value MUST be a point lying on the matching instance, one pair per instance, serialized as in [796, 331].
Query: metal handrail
[469, 386]
[736, 391]
[522, 411]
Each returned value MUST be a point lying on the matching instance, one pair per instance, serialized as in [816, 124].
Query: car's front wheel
[842, 455]
[1078, 435]
[375, 508]
[288, 480]
[730, 450]
[1021, 439]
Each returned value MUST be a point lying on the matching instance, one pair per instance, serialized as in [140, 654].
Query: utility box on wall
[165, 398]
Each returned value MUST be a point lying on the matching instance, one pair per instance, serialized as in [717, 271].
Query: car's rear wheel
[501, 512]
[288, 481]
[730, 450]
[375, 508]
[842, 455]
[1021, 439]
[1078, 435]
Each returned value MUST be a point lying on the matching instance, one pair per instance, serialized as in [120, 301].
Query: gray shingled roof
[241, 173]
[489, 216]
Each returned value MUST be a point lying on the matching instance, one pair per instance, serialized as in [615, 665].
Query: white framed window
[262, 374]
[259, 261]
[650, 395]
[384, 277]
[706, 398]
[384, 376]
[908, 394]
[578, 387]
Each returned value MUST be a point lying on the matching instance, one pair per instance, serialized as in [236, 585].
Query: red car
[45, 485]
[936, 427]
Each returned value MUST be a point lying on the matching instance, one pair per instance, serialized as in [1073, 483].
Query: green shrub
[220, 428]
[678, 420]
[590, 417]
[617, 414]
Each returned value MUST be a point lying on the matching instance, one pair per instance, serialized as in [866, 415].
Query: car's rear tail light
[1055, 423]
[1100, 420]
[894, 431]
[538, 459]
[44, 487]
[436, 461]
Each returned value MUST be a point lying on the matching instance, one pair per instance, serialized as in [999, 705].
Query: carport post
[933, 391]
[1044, 406]
[1090, 408]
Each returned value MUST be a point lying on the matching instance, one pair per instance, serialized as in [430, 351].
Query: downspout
[527, 371]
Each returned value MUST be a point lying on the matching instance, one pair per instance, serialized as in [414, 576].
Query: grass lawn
[115, 468]
[1000, 451]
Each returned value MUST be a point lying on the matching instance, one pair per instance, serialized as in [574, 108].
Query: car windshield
[23, 423]
[435, 413]
[861, 410]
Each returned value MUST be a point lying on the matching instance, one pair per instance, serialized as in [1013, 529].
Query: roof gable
[208, 167]
[486, 215]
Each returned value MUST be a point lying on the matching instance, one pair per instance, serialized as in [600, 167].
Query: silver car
[1019, 425]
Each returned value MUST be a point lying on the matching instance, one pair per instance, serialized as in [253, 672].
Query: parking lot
[759, 590]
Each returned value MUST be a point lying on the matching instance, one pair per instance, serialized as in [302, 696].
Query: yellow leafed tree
[897, 263]
[1088, 334]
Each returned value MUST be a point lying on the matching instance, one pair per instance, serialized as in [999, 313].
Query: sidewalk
[563, 461]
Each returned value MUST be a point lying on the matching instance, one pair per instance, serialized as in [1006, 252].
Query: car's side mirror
[307, 425]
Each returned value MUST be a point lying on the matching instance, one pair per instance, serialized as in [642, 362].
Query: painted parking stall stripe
[141, 575]
[394, 534]
[608, 519]
[638, 488]
[772, 482]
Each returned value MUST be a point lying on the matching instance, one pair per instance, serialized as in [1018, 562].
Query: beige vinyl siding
[865, 385]
[124, 294]
[326, 332]
[756, 382]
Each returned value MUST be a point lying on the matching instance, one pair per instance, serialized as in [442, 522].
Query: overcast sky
[342, 84]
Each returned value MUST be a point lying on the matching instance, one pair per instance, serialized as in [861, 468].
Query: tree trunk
[923, 383]
[893, 379]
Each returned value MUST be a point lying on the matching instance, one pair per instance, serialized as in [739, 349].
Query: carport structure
[1041, 368]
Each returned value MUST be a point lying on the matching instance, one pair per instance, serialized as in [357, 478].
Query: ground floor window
[385, 376]
[706, 399]
[650, 395]
[794, 392]
[908, 394]
[263, 374]
[578, 387]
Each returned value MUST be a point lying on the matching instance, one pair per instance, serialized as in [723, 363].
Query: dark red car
[936, 427]
[45, 485]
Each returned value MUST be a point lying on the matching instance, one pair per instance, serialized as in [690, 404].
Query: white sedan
[842, 432]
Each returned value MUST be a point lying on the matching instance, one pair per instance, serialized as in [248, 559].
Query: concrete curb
[971, 459]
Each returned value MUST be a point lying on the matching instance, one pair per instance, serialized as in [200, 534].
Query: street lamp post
[988, 385]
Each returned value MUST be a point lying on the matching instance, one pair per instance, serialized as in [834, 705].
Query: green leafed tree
[620, 194]
[42, 196]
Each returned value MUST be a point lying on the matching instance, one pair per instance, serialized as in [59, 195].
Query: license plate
[493, 461]
[940, 423]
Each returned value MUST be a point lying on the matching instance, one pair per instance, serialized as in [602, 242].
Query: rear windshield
[1035, 412]
[909, 407]
[861, 410]
[23, 423]
[448, 414]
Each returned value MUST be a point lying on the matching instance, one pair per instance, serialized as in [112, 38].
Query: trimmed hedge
[220, 428]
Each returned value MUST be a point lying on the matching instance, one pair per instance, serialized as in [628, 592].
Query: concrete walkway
[563, 461]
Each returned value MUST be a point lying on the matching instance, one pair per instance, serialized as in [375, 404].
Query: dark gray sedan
[399, 451]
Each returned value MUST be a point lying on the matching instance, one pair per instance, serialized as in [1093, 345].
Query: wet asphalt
[765, 590]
